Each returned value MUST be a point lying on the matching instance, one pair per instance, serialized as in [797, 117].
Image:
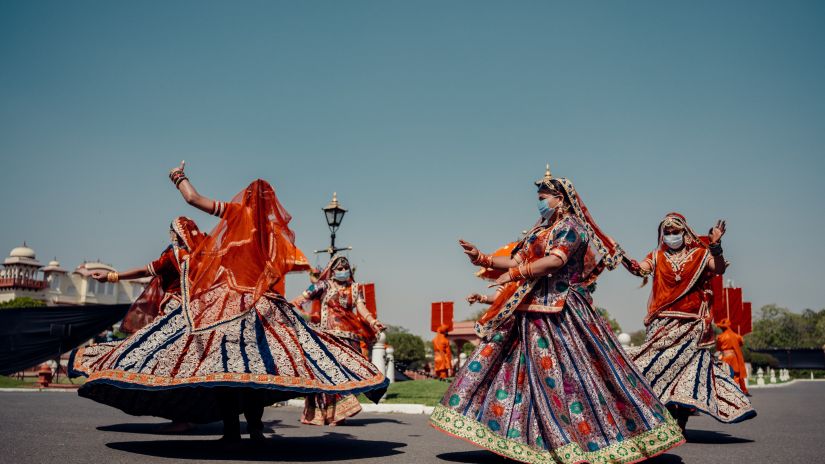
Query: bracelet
[112, 277]
[715, 249]
[515, 274]
[484, 299]
[177, 176]
[484, 260]
[526, 270]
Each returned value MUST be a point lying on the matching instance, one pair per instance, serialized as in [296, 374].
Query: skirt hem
[635, 449]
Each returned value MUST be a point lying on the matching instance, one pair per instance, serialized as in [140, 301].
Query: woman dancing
[677, 356]
[343, 313]
[231, 344]
[549, 382]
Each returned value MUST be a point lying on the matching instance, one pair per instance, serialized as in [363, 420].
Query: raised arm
[717, 263]
[188, 192]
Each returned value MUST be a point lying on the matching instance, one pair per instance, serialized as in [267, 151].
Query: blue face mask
[342, 276]
[545, 210]
[674, 241]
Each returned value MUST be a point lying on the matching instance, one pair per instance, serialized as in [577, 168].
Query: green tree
[409, 348]
[22, 302]
[778, 327]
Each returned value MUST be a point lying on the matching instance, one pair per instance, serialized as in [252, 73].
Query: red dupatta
[678, 293]
[245, 256]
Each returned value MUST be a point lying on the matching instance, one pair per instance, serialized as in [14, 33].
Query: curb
[400, 408]
[39, 389]
[783, 384]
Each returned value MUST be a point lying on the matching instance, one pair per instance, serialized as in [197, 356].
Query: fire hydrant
[44, 375]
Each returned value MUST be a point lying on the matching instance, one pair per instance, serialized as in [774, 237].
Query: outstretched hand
[470, 250]
[100, 276]
[476, 298]
[716, 232]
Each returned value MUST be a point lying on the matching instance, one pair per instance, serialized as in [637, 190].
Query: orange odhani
[729, 344]
[442, 354]
[676, 356]
[230, 335]
[248, 253]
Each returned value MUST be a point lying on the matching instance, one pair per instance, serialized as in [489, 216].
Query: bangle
[526, 270]
[484, 260]
[179, 180]
[715, 249]
[177, 176]
[112, 277]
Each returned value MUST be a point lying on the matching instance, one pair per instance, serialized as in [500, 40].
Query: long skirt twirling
[683, 374]
[556, 388]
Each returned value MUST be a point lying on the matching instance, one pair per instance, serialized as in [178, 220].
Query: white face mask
[674, 241]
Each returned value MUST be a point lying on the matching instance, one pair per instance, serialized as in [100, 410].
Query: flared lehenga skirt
[556, 388]
[326, 409]
[684, 374]
[168, 370]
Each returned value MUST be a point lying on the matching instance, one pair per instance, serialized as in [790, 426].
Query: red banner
[746, 321]
[733, 305]
[718, 287]
[441, 314]
[369, 298]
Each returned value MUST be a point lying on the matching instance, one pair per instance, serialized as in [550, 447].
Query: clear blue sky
[431, 120]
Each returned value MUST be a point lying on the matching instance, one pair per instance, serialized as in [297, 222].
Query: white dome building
[23, 276]
[20, 275]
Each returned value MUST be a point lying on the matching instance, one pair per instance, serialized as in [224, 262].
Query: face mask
[342, 276]
[674, 241]
[545, 210]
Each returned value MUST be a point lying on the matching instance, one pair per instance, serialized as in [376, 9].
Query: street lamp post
[334, 214]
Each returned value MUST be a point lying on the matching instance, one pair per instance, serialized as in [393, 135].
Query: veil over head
[245, 256]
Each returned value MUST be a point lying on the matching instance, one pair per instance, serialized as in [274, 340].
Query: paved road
[63, 428]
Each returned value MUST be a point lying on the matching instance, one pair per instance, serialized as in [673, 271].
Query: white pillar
[760, 377]
[462, 359]
[773, 375]
[390, 364]
[379, 352]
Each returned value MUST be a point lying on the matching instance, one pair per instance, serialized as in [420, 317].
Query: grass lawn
[426, 392]
[30, 382]
[10, 382]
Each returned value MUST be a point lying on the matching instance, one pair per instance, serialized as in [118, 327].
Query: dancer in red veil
[232, 344]
[676, 356]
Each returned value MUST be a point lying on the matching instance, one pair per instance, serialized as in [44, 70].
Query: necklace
[677, 261]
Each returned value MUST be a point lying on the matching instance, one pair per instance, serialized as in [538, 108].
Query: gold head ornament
[545, 181]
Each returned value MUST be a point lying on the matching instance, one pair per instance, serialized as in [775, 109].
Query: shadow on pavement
[213, 428]
[301, 449]
[710, 437]
[363, 422]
